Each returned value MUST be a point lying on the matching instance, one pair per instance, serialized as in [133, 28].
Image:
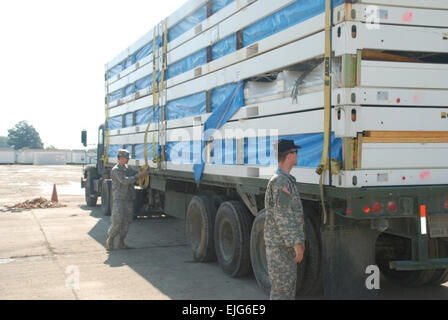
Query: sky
[52, 57]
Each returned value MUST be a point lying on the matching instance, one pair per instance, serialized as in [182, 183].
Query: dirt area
[20, 183]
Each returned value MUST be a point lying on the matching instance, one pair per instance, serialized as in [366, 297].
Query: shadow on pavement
[159, 253]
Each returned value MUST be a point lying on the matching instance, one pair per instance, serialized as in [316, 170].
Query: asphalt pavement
[60, 253]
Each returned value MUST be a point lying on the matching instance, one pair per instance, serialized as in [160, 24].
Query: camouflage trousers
[282, 272]
[122, 215]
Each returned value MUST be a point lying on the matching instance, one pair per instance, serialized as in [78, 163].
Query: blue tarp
[180, 152]
[129, 89]
[143, 116]
[194, 60]
[140, 150]
[261, 151]
[289, 16]
[220, 4]
[114, 70]
[143, 52]
[113, 150]
[143, 82]
[188, 23]
[187, 106]
[224, 47]
[257, 151]
[223, 152]
[197, 17]
[226, 101]
[116, 122]
[117, 94]
[128, 120]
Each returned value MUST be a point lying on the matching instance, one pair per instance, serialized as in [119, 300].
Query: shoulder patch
[286, 190]
[284, 197]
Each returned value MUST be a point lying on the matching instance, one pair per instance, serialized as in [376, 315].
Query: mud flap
[347, 253]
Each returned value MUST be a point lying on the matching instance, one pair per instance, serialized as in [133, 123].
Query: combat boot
[123, 245]
[110, 243]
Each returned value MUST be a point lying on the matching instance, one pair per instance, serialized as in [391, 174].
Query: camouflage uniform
[123, 194]
[284, 228]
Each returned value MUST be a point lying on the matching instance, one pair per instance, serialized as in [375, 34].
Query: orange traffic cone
[54, 196]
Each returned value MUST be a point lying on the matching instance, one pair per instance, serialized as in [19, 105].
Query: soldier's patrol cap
[123, 153]
[284, 145]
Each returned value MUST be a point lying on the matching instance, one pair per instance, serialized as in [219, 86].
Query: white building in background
[25, 156]
[7, 156]
[52, 157]
[78, 157]
[49, 158]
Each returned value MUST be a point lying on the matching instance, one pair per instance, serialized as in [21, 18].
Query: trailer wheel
[232, 238]
[106, 197]
[389, 248]
[258, 252]
[309, 271]
[90, 195]
[200, 221]
[441, 275]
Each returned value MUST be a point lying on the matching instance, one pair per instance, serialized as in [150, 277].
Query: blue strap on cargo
[217, 119]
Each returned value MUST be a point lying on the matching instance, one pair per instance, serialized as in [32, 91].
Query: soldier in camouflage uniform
[123, 194]
[284, 227]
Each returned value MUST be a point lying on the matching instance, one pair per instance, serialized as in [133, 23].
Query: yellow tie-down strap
[144, 182]
[324, 165]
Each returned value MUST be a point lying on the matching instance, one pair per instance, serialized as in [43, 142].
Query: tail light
[446, 205]
[392, 206]
[366, 209]
[377, 207]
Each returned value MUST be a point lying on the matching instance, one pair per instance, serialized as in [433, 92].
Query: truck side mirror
[84, 138]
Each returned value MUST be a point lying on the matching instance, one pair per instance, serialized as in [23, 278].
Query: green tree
[3, 142]
[24, 135]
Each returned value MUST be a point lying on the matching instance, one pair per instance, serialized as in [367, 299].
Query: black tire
[106, 197]
[199, 225]
[416, 278]
[232, 238]
[441, 275]
[309, 271]
[258, 252]
[90, 196]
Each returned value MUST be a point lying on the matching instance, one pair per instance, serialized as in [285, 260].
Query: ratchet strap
[144, 182]
[325, 164]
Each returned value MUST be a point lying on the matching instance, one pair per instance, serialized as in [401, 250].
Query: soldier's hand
[300, 251]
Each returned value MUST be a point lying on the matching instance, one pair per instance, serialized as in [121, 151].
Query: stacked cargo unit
[203, 97]
[256, 52]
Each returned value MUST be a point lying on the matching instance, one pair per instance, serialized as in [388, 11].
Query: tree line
[23, 135]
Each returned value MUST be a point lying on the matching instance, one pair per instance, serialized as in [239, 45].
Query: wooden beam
[381, 56]
[405, 137]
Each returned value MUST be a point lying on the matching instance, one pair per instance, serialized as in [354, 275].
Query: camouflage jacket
[284, 223]
[123, 180]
